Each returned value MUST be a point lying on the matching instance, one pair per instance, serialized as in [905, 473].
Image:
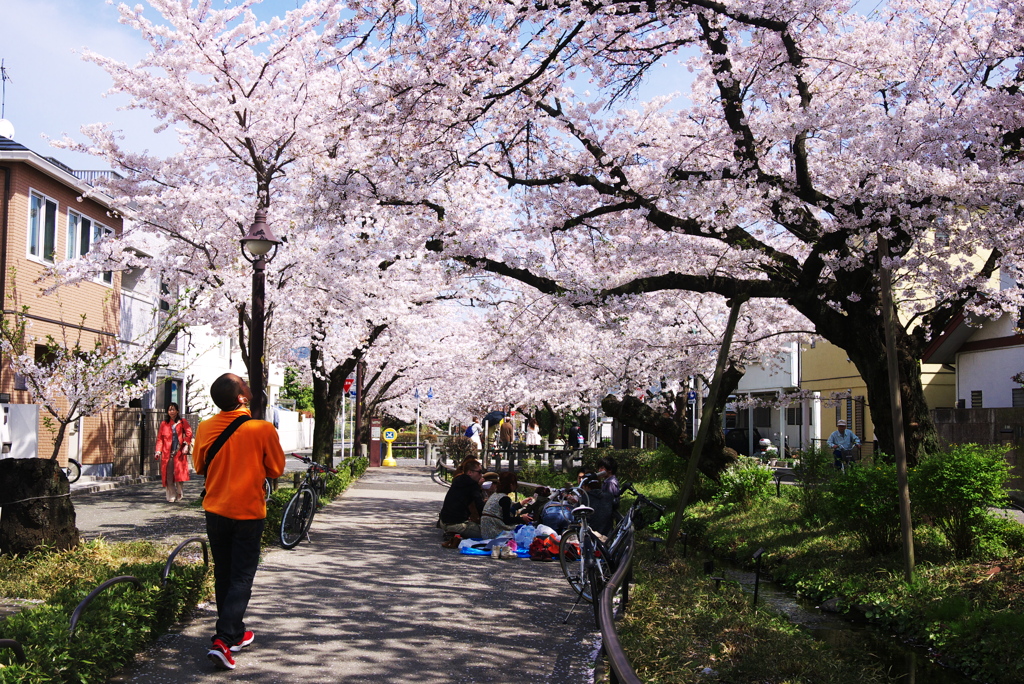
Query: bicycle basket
[645, 516]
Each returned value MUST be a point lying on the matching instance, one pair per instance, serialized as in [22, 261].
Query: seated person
[500, 513]
[534, 505]
[603, 504]
[460, 513]
[607, 468]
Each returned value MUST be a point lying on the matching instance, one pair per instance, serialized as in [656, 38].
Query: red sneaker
[220, 655]
[246, 640]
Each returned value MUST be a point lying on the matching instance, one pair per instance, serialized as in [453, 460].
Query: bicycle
[299, 512]
[73, 470]
[587, 562]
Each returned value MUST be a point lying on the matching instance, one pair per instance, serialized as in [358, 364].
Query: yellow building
[826, 369]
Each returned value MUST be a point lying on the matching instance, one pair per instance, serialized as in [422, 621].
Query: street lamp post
[258, 242]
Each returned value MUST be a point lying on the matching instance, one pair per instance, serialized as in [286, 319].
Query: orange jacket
[234, 482]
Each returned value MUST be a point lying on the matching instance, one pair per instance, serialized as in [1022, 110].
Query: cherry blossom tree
[809, 132]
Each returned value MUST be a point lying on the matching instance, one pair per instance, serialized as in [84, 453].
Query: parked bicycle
[586, 561]
[73, 470]
[298, 514]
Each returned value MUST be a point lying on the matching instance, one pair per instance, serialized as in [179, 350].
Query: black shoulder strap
[221, 438]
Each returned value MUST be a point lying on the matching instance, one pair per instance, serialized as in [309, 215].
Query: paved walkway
[373, 598]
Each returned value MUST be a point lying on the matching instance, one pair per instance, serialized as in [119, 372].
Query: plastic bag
[524, 535]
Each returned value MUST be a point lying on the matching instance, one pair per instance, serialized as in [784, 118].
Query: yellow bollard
[389, 436]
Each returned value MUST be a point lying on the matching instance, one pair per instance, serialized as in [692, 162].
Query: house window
[79, 234]
[844, 411]
[82, 233]
[976, 401]
[794, 415]
[165, 313]
[762, 416]
[42, 227]
[1017, 397]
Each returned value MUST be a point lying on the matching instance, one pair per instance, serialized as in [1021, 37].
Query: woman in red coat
[173, 445]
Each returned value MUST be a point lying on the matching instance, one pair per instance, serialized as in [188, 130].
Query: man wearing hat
[840, 441]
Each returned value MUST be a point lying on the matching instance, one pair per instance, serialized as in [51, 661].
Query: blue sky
[53, 92]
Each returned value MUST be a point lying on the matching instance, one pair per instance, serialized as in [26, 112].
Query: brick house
[45, 219]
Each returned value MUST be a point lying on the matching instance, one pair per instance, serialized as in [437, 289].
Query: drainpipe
[3, 248]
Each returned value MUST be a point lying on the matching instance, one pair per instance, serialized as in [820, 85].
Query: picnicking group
[483, 513]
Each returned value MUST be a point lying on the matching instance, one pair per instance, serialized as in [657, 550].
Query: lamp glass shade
[258, 247]
[260, 238]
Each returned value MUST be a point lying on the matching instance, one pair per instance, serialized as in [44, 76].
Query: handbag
[218, 443]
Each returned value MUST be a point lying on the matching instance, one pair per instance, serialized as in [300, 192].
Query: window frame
[95, 232]
[38, 232]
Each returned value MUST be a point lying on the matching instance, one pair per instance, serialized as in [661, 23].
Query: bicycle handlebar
[628, 487]
[314, 465]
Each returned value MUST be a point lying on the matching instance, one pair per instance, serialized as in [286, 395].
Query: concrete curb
[99, 484]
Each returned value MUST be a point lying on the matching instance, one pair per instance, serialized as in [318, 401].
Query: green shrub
[955, 488]
[815, 471]
[457, 448]
[998, 537]
[634, 465]
[118, 623]
[744, 482]
[865, 501]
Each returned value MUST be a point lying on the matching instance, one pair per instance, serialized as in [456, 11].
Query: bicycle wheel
[595, 584]
[298, 516]
[266, 489]
[571, 560]
[73, 470]
[573, 564]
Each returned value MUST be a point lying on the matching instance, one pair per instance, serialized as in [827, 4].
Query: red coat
[163, 445]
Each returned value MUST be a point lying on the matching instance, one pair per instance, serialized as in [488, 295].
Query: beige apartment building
[45, 219]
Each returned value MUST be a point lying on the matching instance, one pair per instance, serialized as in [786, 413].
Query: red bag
[543, 549]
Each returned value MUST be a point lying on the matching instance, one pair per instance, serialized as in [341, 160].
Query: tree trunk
[673, 432]
[58, 441]
[869, 356]
[37, 506]
[328, 393]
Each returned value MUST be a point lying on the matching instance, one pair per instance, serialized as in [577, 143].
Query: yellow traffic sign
[389, 436]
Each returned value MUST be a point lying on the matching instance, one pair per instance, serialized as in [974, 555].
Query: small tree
[294, 388]
[957, 487]
[68, 380]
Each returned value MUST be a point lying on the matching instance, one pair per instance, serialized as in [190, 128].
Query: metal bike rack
[96, 592]
[174, 553]
[621, 668]
[19, 652]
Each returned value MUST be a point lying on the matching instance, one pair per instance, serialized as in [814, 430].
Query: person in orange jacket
[173, 443]
[236, 510]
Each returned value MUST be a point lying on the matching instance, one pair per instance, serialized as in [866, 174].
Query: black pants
[235, 545]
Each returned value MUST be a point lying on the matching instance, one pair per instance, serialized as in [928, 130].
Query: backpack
[470, 431]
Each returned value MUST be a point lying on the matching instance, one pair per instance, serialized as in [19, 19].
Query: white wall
[23, 425]
[295, 435]
[989, 371]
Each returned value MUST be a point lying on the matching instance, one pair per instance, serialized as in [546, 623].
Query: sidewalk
[374, 598]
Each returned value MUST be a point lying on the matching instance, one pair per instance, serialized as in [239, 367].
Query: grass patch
[953, 607]
[677, 628]
[118, 623]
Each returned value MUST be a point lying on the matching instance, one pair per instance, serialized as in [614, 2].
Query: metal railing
[621, 668]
